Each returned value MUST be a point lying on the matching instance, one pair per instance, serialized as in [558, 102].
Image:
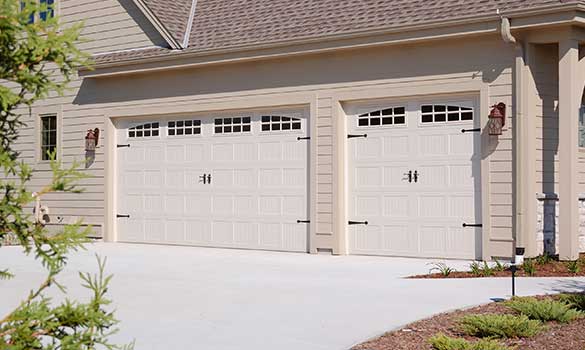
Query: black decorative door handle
[203, 178]
[416, 175]
[209, 179]
[408, 176]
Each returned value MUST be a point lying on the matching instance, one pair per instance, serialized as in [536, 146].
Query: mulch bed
[416, 335]
[551, 269]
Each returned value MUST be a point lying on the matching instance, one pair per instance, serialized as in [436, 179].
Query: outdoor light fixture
[497, 119]
[91, 139]
[518, 261]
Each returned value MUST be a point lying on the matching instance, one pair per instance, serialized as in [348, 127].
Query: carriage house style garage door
[235, 181]
[415, 179]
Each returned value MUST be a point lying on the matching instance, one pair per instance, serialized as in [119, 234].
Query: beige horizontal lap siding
[109, 25]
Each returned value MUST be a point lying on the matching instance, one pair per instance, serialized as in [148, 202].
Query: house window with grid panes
[48, 136]
[47, 10]
[383, 117]
[445, 113]
[280, 123]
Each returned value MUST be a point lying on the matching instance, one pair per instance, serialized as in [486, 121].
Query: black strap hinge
[463, 131]
[303, 221]
[119, 216]
[123, 146]
[350, 136]
[303, 138]
[351, 223]
[472, 225]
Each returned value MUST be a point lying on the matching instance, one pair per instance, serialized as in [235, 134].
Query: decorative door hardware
[303, 221]
[123, 146]
[303, 138]
[350, 136]
[352, 223]
[205, 178]
[472, 225]
[120, 216]
[408, 176]
[463, 131]
[416, 175]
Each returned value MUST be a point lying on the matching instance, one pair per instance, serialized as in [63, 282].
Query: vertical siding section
[324, 166]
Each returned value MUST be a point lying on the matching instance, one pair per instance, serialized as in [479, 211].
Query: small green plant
[529, 267]
[443, 342]
[574, 267]
[575, 301]
[487, 270]
[442, 269]
[475, 268]
[544, 259]
[500, 267]
[500, 326]
[544, 310]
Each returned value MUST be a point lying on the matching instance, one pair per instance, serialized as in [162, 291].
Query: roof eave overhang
[544, 17]
[158, 25]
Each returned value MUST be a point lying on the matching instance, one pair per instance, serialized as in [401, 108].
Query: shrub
[575, 301]
[442, 269]
[544, 310]
[500, 326]
[574, 267]
[529, 267]
[442, 342]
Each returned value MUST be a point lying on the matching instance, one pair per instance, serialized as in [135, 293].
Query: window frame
[159, 129]
[41, 152]
[381, 108]
[446, 103]
[42, 16]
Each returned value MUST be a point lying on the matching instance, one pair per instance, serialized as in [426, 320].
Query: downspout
[519, 171]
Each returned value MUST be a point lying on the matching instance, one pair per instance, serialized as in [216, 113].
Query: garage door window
[233, 125]
[184, 127]
[277, 123]
[386, 117]
[144, 130]
[445, 113]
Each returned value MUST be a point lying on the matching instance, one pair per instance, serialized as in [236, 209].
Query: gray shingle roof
[225, 24]
[173, 14]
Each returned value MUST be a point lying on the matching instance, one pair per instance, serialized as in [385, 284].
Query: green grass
[544, 310]
[500, 326]
[443, 342]
[573, 267]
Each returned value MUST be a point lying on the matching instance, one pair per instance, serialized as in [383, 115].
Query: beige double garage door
[241, 180]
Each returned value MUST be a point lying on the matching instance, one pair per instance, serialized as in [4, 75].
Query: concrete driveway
[196, 298]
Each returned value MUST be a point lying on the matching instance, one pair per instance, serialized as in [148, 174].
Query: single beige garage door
[235, 180]
[414, 177]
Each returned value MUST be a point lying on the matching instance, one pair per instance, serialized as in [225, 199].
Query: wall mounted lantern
[91, 139]
[497, 119]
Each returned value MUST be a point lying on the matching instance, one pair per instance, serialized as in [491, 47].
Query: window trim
[381, 108]
[39, 148]
[136, 124]
[459, 103]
